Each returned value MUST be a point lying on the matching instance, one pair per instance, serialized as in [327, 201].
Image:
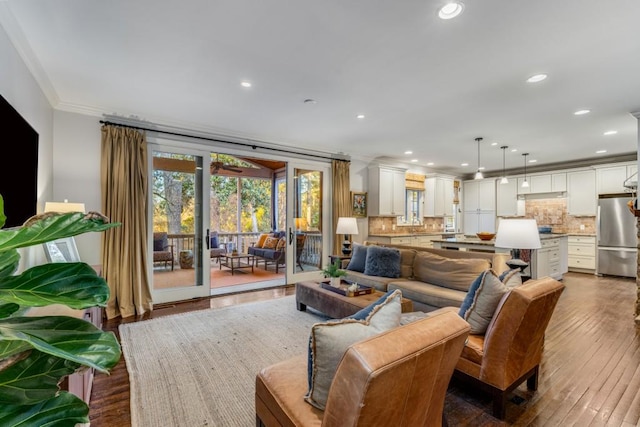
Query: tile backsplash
[553, 212]
[386, 224]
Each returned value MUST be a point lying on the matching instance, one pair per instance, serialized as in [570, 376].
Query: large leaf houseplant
[36, 353]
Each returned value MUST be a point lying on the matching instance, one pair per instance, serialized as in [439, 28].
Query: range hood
[548, 195]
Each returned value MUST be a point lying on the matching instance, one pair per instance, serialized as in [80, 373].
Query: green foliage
[333, 270]
[36, 353]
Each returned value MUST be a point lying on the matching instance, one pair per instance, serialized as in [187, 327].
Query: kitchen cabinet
[550, 259]
[438, 198]
[507, 198]
[386, 191]
[582, 254]
[559, 181]
[394, 240]
[479, 204]
[610, 180]
[581, 193]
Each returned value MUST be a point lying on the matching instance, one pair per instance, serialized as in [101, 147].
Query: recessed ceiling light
[408, 152]
[536, 78]
[581, 112]
[414, 160]
[464, 164]
[430, 164]
[513, 150]
[245, 84]
[360, 116]
[611, 132]
[601, 151]
[494, 143]
[450, 10]
[532, 160]
[481, 168]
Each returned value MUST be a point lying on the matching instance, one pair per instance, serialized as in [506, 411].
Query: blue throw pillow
[358, 258]
[382, 262]
[483, 297]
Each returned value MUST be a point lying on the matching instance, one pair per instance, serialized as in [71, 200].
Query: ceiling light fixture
[504, 179]
[360, 116]
[478, 173]
[414, 160]
[450, 10]
[601, 151]
[430, 164]
[525, 183]
[245, 84]
[610, 132]
[536, 78]
[408, 152]
[581, 112]
[464, 164]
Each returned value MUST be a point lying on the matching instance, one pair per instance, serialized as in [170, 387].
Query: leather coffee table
[333, 304]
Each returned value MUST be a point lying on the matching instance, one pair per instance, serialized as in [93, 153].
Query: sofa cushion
[282, 242]
[428, 294]
[451, 273]
[377, 282]
[511, 278]
[482, 300]
[382, 261]
[270, 243]
[261, 239]
[358, 258]
[328, 342]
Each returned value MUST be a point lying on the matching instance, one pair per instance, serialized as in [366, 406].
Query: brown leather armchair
[511, 350]
[399, 377]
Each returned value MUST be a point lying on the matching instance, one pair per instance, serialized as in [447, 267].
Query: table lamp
[347, 226]
[517, 234]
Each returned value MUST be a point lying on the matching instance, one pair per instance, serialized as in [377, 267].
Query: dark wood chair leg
[499, 404]
[532, 381]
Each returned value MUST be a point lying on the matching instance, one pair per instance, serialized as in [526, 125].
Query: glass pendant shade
[504, 180]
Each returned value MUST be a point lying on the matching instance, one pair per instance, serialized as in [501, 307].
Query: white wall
[20, 89]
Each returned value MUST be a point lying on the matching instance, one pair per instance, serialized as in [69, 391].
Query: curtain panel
[124, 185]
[341, 197]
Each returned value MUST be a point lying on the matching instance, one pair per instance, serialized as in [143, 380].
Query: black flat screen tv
[18, 167]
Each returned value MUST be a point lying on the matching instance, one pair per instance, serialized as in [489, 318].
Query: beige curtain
[341, 198]
[124, 199]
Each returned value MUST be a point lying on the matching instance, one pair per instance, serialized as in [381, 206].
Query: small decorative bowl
[485, 235]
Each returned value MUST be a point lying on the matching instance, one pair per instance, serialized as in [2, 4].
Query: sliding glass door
[308, 220]
[179, 218]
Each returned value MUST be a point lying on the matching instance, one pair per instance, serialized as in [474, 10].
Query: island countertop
[473, 241]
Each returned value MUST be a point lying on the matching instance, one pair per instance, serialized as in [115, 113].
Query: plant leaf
[64, 410]
[52, 226]
[9, 261]
[3, 217]
[62, 336]
[74, 284]
[33, 379]
[7, 310]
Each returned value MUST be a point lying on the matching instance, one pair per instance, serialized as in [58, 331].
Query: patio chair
[162, 250]
[216, 248]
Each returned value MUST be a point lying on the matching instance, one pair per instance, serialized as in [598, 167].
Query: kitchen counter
[423, 233]
[472, 242]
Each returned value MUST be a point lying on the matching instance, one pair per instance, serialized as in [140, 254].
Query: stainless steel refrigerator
[616, 236]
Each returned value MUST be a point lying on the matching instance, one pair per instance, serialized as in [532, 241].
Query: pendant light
[478, 173]
[525, 183]
[504, 179]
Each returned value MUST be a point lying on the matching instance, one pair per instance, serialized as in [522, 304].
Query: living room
[69, 164]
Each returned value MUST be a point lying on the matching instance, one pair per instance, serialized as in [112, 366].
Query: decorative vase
[335, 282]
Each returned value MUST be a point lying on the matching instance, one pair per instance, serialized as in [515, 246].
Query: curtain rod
[206, 138]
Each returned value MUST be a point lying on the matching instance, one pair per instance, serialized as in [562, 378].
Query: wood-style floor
[590, 375]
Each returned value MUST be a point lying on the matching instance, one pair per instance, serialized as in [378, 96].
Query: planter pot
[335, 281]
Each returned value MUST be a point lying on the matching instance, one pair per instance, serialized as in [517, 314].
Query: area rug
[199, 368]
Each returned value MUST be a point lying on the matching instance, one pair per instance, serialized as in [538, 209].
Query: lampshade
[518, 234]
[63, 207]
[347, 225]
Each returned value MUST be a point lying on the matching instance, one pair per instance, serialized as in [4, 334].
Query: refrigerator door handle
[598, 225]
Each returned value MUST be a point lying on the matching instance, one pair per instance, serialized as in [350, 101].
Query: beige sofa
[432, 278]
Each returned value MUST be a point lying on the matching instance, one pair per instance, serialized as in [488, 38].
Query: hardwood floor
[590, 375]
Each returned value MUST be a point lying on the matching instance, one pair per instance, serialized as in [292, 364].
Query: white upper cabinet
[610, 180]
[544, 183]
[507, 198]
[386, 191]
[479, 199]
[438, 197]
[581, 193]
[541, 183]
[559, 181]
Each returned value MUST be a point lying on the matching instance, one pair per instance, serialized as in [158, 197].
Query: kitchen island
[550, 260]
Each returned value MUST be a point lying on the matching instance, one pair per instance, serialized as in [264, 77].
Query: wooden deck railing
[311, 254]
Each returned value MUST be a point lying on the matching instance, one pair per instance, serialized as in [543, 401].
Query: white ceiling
[424, 84]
